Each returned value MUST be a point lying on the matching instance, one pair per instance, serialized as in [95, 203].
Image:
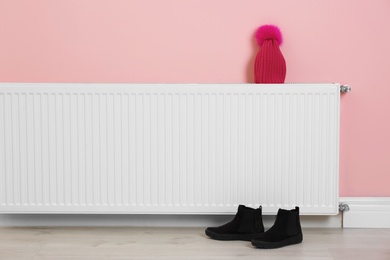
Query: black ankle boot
[247, 224]
[285, 231]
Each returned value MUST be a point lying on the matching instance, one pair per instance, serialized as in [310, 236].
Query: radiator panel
[168, 148]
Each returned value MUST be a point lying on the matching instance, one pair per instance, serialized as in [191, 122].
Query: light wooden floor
[183, 243]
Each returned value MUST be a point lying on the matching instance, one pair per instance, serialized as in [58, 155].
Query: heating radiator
[168, 148]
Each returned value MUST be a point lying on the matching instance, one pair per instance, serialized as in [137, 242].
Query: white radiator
[168, 148]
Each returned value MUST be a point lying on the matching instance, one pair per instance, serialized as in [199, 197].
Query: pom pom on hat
[268, 32]
[270, 66]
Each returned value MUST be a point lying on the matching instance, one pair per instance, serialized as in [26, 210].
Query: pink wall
[212, 41]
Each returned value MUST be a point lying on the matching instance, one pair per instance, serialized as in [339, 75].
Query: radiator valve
[345, 88]
[343, 207]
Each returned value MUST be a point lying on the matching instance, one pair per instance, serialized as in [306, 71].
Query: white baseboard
[366, 212]
[34, 220]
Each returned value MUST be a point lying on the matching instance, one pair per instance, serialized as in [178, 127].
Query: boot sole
[271, 245]
[227, 237]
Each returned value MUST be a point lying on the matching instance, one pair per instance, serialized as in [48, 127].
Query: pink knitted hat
[270, 66]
